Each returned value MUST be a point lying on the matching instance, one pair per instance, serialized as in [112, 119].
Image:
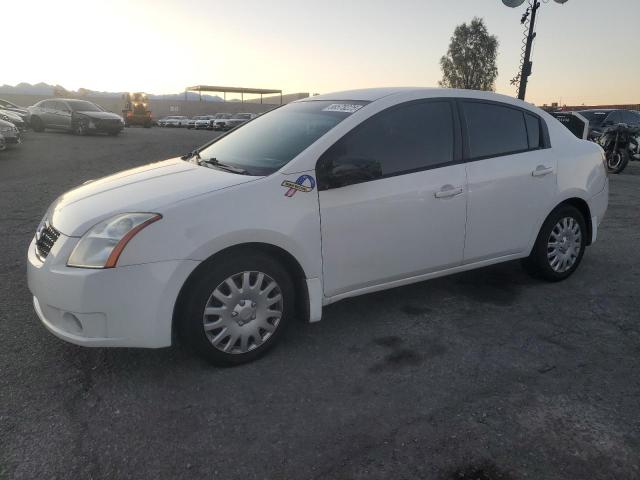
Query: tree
[470, 62]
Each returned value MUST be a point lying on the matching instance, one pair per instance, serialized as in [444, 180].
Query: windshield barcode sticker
[342, 107]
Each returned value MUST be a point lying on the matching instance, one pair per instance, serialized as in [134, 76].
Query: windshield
[83, 106]
[594, 117]
[264, 145]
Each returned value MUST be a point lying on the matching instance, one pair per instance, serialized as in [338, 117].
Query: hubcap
[243, 312]
[565, 242]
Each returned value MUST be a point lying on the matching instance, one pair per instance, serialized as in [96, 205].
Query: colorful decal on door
[304, 183]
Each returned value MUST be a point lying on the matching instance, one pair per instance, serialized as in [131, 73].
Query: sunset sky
[585, 53]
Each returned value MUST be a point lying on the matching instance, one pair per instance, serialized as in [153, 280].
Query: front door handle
[448, 191]
[542, 170]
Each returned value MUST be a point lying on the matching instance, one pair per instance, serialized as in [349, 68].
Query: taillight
[604, 161]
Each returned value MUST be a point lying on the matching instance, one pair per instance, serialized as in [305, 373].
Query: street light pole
[523, 78]
[527, 65]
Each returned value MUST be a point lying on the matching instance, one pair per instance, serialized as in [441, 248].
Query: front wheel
[617, 161]
[237, 308]
[560, 245]
[80, 128]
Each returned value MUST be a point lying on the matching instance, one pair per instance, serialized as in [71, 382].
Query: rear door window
[494, 130]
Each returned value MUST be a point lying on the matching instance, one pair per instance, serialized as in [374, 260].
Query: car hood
[100, 115]
[149, 188]
[13, 116]
[18, 111]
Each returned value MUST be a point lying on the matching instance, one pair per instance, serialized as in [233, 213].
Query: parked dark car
[10, 133]
[601, 119]
[77, 116]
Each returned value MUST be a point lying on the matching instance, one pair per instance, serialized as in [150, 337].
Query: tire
[617, 161]
[36, 124]
[245, 311]
[80, 128]
[566, 229]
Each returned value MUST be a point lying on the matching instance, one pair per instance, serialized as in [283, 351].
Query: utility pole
[527, 66]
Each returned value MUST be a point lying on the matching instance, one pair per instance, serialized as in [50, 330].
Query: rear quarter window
[533, 131]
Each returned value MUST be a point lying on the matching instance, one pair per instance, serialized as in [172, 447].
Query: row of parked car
[77, 116]
[219, 121]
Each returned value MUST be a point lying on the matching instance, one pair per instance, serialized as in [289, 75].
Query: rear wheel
[36, 124]
[236, 310]
[560, 245]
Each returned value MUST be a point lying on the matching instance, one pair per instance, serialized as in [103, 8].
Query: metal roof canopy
[240, 90]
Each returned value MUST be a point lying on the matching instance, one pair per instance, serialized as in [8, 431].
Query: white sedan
[320, 200]
[174, 121]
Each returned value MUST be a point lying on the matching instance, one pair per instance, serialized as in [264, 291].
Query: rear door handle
[448, 191]
[542, 170]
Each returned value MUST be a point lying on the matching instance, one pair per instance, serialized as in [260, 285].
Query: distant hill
[28, 89]
[44, 89]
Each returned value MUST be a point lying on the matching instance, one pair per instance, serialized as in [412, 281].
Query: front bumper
[120, 307]
[13, 137]
[106, 126]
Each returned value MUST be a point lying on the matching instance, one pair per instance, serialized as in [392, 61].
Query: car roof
[598, 110]
[373, 94]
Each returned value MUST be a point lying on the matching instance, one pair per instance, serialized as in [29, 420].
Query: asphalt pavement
[486, 375]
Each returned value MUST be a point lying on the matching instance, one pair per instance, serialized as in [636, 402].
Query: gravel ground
[482, 375]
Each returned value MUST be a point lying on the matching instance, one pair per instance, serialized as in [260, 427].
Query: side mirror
[340, 172]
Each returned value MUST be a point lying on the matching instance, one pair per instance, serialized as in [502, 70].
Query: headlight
[4, 117]
[7, 129]
[102, 245]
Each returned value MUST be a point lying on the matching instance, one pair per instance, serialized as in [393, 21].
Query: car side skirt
[421, 278]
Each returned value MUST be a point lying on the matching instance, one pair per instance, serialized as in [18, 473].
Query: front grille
[45, 240]
[107, 123]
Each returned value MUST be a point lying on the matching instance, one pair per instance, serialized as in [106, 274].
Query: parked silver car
[10, 134]
[77, 116]
[236, 120]
[173, 121]
[22, 112]
[13, 117]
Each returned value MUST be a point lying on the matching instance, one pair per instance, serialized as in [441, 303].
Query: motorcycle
[621, 143]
